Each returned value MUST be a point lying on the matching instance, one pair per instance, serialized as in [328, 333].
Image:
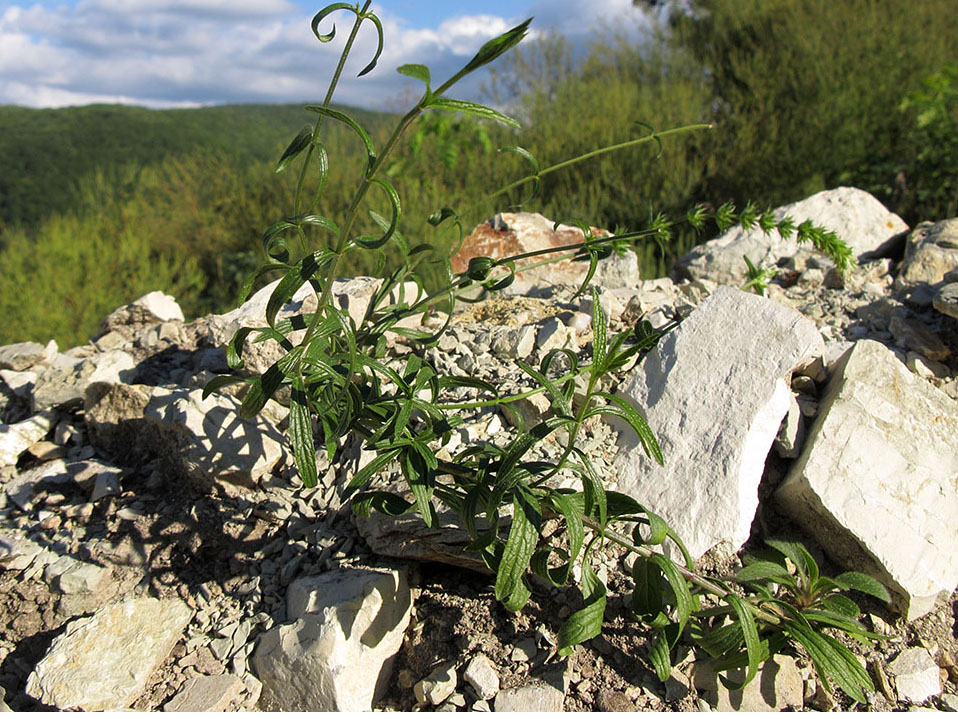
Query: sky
[189, 53]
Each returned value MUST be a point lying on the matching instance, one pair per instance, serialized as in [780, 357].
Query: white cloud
[195, 52]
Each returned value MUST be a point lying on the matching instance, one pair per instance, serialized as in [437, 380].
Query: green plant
[341, 375]
[806, 604]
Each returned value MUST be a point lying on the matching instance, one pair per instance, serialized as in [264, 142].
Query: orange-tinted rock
[509, 234]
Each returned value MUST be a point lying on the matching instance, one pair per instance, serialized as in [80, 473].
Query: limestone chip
[103, 662]
[877, 480]
[714, 393]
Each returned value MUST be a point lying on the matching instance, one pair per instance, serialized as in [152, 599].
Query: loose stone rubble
[824, 412]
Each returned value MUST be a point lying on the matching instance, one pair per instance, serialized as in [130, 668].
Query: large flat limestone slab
[714, 392]
[877, 481]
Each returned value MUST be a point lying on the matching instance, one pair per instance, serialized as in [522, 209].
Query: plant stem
[696, 579]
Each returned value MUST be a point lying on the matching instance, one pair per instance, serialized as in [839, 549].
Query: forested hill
[45, 153]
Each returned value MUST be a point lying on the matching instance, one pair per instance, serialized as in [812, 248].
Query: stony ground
[231, 555]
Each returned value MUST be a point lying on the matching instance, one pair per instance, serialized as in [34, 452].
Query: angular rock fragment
[946, 299]
[544, 693]
[24, 355]
[511, 233]
[203, 439]
[777, 687]
[860, 220]
[877, 481]
[16, 438]
[207, 694]
[336, 653]
[104, 662]
[931, 251]
[714, 393]
[917, 676]
[64, 385]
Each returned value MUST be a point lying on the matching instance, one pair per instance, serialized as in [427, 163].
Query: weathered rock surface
[25, 355]
[335, 653]
[512, 233]
[714, 393]
[16, 438]
[917, 676]
[877, 481]
[63, 384]
[203, 439]
[946, 299]
[103, 662]
[545, 693]
[859, 219]
[217, 693]
[778, 687]
[930, 252]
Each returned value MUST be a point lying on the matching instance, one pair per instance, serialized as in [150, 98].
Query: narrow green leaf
[379, 46]
[301, 434]
[490, 51]
[723, 640]
[351, 124]
[558, 398]
[621, 408]
[221, 381]
[752, 643]
[322, 14]
[573, 520]
[520, 545]
[794, 551]
[378, 463]
[760, 571]
[372, 243]
[841, 605]
[260, 391]
[592, 490]
[384, 502]
[647, 593]
[658, 529]
[862, 583]
[680, 588]
[299, 143]
[470, 108]
[419, 72]
[660, 656]
[301, 273]
[587, 622]
[600, 326]
[831, 659]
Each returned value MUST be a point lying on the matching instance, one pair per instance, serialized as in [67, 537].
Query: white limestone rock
[16, 438]
[209, 439]
[336, 653]
[21, 487]
[26, 355]
[917, 676]
[714, 392]
[207, 694]
[860, 220]
[103, 662]
[946, 299]
[438, 686]
[877, 480]
[482, 676]
[203, 439]
[65, 385]
[931, 252]
[777, 687]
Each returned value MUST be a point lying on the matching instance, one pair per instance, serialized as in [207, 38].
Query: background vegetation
[101, 204]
